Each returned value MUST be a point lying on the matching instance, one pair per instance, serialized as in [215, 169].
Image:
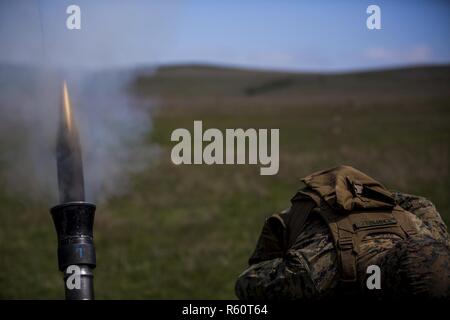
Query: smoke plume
[113, 127]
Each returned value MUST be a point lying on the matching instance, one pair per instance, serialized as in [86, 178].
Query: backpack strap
[345, 241]
[405, 222]
[341, 230]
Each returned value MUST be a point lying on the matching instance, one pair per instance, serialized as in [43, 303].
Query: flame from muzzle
[67, 108]
[68, 154]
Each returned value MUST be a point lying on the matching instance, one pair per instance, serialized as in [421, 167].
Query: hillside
[196, 85]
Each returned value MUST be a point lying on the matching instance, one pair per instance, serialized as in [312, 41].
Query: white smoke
[113, 125]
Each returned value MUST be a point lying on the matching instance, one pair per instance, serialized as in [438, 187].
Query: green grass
[187, 231]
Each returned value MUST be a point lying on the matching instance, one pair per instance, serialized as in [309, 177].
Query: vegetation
[187, 231]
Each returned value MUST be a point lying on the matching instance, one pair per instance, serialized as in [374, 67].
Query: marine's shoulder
[431, 222]
[411, 202]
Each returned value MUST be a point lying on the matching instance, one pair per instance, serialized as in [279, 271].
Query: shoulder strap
[344, 238]
[405, 222]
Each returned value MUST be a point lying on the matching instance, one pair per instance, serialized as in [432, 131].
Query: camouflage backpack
[354, 206]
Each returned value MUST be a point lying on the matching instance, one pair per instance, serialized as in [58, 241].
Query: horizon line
[196, 64]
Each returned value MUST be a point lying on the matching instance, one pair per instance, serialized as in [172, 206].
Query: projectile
[68, 154]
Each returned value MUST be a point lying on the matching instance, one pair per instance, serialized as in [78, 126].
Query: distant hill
[204, 85]
[175, 83]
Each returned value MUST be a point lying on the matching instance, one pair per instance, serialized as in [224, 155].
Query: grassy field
[187, 231]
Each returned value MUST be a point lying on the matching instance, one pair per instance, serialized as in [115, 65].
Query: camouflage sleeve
[426, 217]
[277, 279]
[308, 270]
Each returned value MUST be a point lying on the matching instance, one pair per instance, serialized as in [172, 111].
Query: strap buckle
[345, 243]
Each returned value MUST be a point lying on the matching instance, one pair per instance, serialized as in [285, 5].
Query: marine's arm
[284, 278]
[302, 270]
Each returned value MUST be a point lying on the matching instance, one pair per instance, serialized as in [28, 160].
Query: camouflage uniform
[308, 269]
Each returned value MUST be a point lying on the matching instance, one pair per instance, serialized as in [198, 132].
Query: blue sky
[288, 35]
